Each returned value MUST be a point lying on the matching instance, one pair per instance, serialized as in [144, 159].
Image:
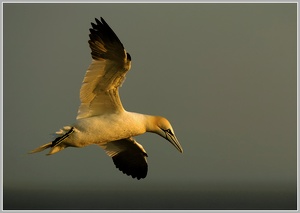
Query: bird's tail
[54, 149]
[57, 144]
[41, 148]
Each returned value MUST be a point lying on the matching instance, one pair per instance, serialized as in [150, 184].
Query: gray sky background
[223, 74]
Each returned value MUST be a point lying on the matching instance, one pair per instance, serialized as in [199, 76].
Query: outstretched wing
[129, 157]
[99, 91]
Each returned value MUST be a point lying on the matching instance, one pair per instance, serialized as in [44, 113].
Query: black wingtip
[103, 21]
[97, 21]
[102, 34]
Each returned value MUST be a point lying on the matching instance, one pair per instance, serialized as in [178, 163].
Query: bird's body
[101, 118]
[102, 129]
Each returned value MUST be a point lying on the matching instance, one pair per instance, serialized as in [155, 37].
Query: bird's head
[163, 128]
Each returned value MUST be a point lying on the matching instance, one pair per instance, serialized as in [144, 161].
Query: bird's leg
[60, 139]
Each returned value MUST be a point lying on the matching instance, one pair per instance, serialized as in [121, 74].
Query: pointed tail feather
[41, 148]
[57, 144]
[56, 149]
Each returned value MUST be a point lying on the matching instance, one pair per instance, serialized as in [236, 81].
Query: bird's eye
[169, 131]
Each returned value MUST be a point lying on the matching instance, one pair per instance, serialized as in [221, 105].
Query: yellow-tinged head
[162, 127]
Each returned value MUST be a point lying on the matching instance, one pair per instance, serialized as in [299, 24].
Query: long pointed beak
[173, 140]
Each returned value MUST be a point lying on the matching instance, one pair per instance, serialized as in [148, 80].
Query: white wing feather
[99, 91]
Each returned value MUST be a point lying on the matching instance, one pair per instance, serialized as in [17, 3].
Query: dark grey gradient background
[223, 74]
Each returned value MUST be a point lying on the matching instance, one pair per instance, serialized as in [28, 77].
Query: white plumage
[101, 118]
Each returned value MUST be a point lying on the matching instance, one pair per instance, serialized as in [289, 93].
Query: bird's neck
[149, 122]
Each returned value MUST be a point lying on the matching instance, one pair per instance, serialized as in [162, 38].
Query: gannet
[101, 118]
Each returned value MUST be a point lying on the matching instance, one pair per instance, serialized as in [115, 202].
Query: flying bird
[101, 118]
